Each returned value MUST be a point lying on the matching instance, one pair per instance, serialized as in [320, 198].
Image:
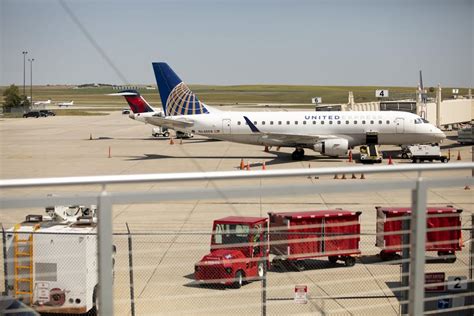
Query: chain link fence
[194, 272]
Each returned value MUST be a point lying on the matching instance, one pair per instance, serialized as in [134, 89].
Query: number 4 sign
[457, 283]
[381, 93]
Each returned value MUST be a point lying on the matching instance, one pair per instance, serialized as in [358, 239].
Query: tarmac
[175, 234]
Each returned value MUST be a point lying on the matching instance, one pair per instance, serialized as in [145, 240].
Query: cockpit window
[418, 121]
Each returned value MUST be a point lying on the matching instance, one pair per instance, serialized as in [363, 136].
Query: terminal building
[446, 114]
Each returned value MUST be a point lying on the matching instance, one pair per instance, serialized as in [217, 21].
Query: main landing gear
[298, 154]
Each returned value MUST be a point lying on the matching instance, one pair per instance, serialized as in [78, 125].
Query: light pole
[24, 54]
[31, 80]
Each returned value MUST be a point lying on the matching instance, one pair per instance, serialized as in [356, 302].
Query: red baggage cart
[443, 231]
[304, 235]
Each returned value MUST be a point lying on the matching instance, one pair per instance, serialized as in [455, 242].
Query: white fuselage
[391, 127]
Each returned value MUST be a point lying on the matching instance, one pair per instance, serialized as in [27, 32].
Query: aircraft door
[399, 125]
[226, 129]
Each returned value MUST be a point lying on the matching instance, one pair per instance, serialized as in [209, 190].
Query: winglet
[253, 128]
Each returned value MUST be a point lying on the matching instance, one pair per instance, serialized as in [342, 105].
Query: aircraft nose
[439, 135]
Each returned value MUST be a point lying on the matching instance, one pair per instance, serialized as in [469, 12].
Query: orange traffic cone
[171, 141]
[459, 155]
[266, 149]
[343, 176]
[263, 166]
[362, 177]
[336, 176]
[350, 156]
[242, 164]
[353, 176]
[390, 162]
[248, 166]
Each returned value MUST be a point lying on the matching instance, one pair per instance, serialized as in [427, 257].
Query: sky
[225, 42]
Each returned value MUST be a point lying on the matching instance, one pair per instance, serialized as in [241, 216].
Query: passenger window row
[314, 122]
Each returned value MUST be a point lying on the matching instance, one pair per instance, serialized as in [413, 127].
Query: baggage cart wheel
[404, 156]
[166, 134]
[261, 269]
[238, 280]
[349, 261]
[448, 256]
[300, 266]
[385, 256]
[333, 259]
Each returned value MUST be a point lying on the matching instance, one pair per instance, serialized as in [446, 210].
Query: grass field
[263, 94]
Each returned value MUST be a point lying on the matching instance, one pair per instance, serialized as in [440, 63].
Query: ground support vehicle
[184, 135]
[369, 154]
[46, 113]
[51, 261]
[443, 235]
[465, 136]
[420, 153]
[33, 114]
[241, 247]
[237, 251]
[296, 236]
[160, 131]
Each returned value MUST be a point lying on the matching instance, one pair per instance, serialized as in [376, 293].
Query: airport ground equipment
[443, 231]
[465, 136]
[420, 153]
[369, 154]
[52, 261]
[160, 131]
[239, 245]
[296, 236]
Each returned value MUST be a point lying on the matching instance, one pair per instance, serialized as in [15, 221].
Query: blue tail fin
[176, 97]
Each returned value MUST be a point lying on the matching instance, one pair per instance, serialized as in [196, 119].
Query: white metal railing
[105, 200]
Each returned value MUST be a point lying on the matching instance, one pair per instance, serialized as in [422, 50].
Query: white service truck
[51, 261]
[420, 153]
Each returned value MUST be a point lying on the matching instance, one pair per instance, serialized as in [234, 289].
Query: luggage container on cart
[443, 231]
[51, 261]
[295, 237]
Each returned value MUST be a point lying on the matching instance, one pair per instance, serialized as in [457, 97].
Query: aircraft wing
[287, 138]
[173, 123]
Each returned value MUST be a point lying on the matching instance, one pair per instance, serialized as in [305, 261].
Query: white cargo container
[420, 153]
[52, 265]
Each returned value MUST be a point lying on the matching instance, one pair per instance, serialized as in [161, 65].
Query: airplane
[66, 104]
[42, 102]
[329, 133]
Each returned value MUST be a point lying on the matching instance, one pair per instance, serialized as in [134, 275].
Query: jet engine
[332, 147]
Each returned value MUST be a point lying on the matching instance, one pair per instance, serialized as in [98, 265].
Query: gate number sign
[381, 93]
[457, 283]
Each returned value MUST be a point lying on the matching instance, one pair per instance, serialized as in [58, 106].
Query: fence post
[471, 265]
[417, 247]
[405, 264]
[130, 269]
[4, 247]
[266, 250]
[104, 246]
